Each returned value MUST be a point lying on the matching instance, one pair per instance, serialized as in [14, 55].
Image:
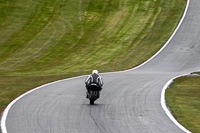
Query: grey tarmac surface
[129, 102]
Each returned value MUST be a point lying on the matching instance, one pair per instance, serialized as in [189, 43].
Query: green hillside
[46, 40]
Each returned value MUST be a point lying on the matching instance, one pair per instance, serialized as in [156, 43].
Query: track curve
[130, 100]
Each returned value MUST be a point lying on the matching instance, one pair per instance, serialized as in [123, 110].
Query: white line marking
[178, 26]
[5, 113]
[164, 106]
[163, 103]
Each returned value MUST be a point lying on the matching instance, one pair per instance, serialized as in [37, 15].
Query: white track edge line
[178, 26]
[165, 108]
[163, 103]
[5, 112]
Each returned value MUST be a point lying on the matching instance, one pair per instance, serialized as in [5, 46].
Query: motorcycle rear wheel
[91, 102]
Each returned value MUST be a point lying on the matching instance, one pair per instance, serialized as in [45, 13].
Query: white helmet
[95, 71]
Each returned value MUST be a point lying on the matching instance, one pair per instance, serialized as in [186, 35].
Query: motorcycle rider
[94, 78]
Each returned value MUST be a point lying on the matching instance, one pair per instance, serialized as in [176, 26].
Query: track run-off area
[130, 100]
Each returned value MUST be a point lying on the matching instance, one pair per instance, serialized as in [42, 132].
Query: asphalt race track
[130, 101]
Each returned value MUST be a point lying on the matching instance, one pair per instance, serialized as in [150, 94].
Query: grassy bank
[46, 40]
[183, 99]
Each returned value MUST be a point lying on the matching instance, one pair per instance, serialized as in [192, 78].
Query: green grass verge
[46, 40]
[183, 99]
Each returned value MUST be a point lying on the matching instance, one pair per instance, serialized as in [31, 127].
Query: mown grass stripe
[38, 20]
[36, 46]
[14, 14]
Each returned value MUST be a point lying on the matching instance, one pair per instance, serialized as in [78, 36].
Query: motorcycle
[93, 92]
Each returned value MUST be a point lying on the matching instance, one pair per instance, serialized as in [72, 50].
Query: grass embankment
[183, 99]
[43, 39]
